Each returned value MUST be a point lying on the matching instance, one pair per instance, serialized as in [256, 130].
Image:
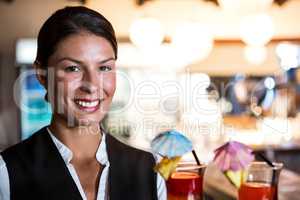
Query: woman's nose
[90, 82]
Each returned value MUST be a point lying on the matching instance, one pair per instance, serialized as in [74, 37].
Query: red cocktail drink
[257, 191]
[261, 182]
[186, 183]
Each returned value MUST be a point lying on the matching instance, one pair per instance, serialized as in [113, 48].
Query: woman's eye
[105, 68]
[72, 69]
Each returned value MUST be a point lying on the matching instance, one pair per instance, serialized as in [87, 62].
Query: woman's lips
[87, 105]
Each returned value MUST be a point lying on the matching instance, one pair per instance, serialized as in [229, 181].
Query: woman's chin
[87, 122]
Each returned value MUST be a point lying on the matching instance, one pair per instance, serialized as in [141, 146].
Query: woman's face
[84, 80]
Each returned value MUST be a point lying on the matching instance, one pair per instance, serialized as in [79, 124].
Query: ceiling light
[192, 41]
[257, 30]
[288, 55]
[146, 33]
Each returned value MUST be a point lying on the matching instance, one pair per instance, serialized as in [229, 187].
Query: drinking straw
[270, 164]
[196, 157]
[265, 159]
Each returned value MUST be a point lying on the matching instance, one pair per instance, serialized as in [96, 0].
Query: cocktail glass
[186, 182]
[261, 182]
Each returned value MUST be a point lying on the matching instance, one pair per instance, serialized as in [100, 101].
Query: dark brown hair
[68, 21]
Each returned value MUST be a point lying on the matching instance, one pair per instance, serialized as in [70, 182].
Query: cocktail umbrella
[232, 158]
[171, 145]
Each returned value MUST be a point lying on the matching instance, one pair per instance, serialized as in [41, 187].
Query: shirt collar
[67, 155]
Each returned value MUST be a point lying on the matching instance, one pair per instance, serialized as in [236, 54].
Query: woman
[72, 158]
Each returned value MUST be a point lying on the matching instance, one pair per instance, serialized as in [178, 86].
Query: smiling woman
[83, 67]
[73, 158]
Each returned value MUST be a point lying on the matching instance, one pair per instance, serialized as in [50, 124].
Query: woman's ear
[41, 73]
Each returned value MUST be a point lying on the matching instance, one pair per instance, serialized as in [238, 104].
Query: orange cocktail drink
[256, 190]
[186, 183]
[261, 183]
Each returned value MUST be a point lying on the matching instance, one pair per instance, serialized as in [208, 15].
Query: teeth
[87, 104]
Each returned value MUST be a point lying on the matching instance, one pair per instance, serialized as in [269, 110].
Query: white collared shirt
[66, 153]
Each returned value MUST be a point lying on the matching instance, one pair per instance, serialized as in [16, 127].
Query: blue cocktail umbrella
[171, 144]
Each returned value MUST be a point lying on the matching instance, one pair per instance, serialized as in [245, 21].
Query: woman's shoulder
[25, 145]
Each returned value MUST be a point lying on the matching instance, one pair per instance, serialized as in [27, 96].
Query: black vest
[37, 171]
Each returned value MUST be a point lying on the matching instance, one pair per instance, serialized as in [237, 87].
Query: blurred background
[214, 69]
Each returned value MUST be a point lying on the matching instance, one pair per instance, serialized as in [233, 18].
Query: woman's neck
[83, 141]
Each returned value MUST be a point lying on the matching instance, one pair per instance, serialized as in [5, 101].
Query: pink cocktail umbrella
[232, 159]
[233, 156]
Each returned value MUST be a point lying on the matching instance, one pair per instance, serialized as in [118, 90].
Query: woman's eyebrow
[80, 62]
[70, 59]
[106, 60]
